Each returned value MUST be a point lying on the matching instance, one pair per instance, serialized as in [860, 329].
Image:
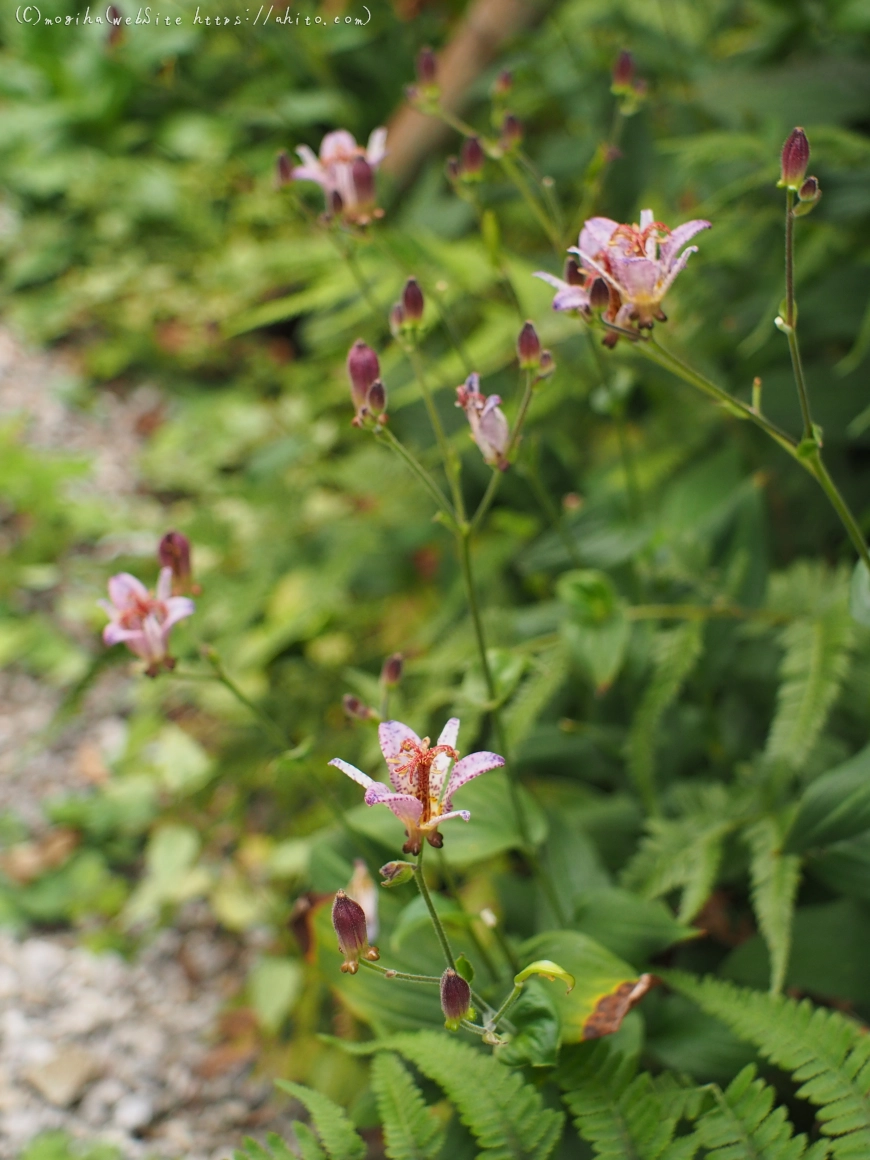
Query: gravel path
[145, 1056]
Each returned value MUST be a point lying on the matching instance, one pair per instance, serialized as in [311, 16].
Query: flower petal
[449, 734]
[406, 808]
[441, 764]
[595, 266]
[596, 233]
[675, 269]
[470, 767]
[352, 771]
[114, 634]
[338, 146]
[164, 584]
[572, 298]
[434, 822]
[376, 150]
[124, 589]
[647, 217]
[391, 735]
[178, 608]
[637, 278]
[682, 234]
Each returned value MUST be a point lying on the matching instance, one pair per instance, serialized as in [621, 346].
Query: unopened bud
[283, 169]
[453, 169]
[363, 369]
[376, 400]
[455, 999]
[413, 302]
[349, 920]
[623, 72]
[472, 157]
[574, 274]
[427, 67]
[336, 203]
[504, 82]
[511, 131]
[599, 295]
[547, 364]
[395, 873]
[397, 319]
[795, 158]
[173, 552]
[363, 177]
[391, 673]
[529, 347]
[354, 707]
[809, 196]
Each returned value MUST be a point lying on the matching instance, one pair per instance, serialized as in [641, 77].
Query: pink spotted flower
[637, 262]
[489, 427]
[419, 797]
[143, 622]
[346, 173]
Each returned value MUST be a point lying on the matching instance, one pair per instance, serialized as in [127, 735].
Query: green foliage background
[713, 748]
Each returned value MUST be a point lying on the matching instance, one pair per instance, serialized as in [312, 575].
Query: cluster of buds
[143, 620]
[469, 165]
[795, 158]
[349, 921]
[530, 354]
[344, 170]
[426, 91]
[626, 85]
[407, 313]
[367, 391]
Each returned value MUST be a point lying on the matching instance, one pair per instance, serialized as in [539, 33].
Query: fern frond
[337, 1135]
[504, 1114]
[775, 878]
[674, 655]
[744, 1125]
[813, 668]
[623, 1116]
[534, 694]
[411, 1132]
[828, 1054]
[683, 853]
[309, 1146]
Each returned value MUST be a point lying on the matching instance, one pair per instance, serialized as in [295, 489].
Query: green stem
[448, 455]
[406, 978]
[420, 471]
[433, 914]
[479, 945]
[506, 1005]
[791, 320]
[838, 503]
[518, 181]
[359, 278]
[273, 730]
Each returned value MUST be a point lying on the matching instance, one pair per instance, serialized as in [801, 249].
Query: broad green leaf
[274, 986]
[834, 806]
[536, 1018]
[632, 927]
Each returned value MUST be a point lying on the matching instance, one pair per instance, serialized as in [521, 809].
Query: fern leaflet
[742, 1126]
[336, 1133]
[536, 691]
[828, 1054]
[504, 1114]
[775, 878]
[411, 1132]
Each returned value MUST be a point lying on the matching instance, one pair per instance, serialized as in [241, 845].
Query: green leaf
[538, 1033]
[415, 916]
[834, 806]
[596, 629]
[674, 655]
[411, 1131]
[464, 968]
[775, 878]
[859, 590]
[549, 970]
[309, 1145]
[605, 987]
[274, 986]
[333, 1127]
[633, 928]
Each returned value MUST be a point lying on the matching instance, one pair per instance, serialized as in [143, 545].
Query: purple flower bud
[412, 301]
[453, 169]
[363, 368]
[395, 873]
[574, 275]
[391, 673]
[336, 203]
[173, 552]
[623, 71]
[455, 999]
[599, 295]
[472, 157]
[349, 920]
[427, 67]
[511, 131]
[376, 399]
[363, 177]
[397, 319]
[504, 82]
[810, 191]
[795, 158]
[354, 707]
[548, 364]
[283, 169]
[529, 348]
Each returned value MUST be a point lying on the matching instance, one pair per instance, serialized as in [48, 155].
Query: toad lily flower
[346, 172]
[143, 622]
[489, 427]
[638, 263]
[419, 798]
